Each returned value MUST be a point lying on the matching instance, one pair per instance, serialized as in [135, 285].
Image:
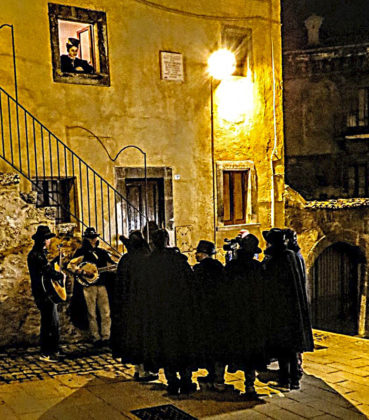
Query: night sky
[345, 21]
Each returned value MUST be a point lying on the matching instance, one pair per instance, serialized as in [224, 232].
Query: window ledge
[236, 227]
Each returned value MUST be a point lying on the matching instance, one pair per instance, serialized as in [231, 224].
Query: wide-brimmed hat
[274, 236]
[206, 247]
[90, 233]
[250, 244]
[43, 232]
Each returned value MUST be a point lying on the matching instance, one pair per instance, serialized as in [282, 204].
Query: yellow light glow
[221, 64]
[235, 99]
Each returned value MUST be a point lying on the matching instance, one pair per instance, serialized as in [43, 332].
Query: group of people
[166, 314]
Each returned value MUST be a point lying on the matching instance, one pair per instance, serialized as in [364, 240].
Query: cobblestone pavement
[18, 365]
[90, 384]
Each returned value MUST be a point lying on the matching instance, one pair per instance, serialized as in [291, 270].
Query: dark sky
[345, 21]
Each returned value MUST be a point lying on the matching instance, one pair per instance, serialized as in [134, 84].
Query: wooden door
[135, 189]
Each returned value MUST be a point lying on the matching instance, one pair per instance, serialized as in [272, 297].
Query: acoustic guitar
[86, 273]
[55, 289]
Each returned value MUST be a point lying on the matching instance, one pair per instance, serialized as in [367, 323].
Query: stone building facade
[213, 149]
[326, 61]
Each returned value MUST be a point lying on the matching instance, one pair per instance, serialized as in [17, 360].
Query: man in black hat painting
[247, 330]
[210, 345]
[71, 63]
[40, 267]
[289, 330]
[96, 295]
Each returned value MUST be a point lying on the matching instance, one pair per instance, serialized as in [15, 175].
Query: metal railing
[36, 153]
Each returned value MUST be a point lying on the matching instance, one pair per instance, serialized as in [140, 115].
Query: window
[357, 113]
[238, 40]
[357, 180]
[79, 45]
[237, 193]
[235, 197]
[57, 193]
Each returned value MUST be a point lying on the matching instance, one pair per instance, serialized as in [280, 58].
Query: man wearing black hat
[289, 321]
[96, 295]
[40, 269]
[247, 330]
[71, 63]
[209, 277]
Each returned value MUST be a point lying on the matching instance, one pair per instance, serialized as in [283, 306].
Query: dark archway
[335, 288]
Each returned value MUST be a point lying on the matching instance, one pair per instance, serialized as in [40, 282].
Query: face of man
[200, 256]
[93, 241]
[73, 51]
[47, 243]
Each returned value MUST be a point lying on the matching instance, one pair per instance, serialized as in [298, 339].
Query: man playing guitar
[96, 294]
[42, 271]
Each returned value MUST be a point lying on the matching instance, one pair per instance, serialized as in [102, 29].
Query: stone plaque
[171, 66]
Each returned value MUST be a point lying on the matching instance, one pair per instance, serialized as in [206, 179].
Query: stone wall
[19, 316]
[319, 228]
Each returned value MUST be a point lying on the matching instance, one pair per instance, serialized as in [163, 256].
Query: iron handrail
[77, 168]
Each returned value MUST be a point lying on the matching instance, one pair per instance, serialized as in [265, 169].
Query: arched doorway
[335, 289]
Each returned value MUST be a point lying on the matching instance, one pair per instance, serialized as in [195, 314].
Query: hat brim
[95, 235]
[46, 236]
[265, 234]
[124, 239]
[205, 251]
[258, 250]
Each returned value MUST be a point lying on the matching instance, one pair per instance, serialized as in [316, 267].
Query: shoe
[295, 385]
[219, 386]
[51, 358]
[281, 386]
[250, 391]
[98, 344]
[188, 388]
[146, 378]
[173, 389]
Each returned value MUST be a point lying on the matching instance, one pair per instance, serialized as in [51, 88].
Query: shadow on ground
[107, 398]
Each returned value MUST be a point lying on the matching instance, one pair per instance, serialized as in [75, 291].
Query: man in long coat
[41, 269]
[211, 323]
[247, 333]
[169, 333]
[289, 322]
[129, 315]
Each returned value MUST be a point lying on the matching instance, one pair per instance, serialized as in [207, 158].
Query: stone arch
[351, 240]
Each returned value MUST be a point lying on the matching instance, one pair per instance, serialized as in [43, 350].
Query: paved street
[92, 385]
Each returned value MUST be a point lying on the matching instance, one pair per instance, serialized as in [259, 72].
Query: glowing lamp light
[221, 64]
[235, 99]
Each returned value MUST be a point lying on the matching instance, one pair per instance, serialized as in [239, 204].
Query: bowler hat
[90, 233]
[274, 236]
[43, 232]
[250, 244]
[206, 247]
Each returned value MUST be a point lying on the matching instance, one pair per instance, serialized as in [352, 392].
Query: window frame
[59, 193]
[250, 189]
[93, 17]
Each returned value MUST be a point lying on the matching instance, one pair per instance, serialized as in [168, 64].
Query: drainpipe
[274, 154]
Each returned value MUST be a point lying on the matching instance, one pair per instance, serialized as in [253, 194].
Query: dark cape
[169, 331]
[289, 328]
[211, 311]
[247, 313]
[68, 65]
[129, 310]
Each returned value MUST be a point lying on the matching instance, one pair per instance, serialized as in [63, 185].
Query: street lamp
[221, 64]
